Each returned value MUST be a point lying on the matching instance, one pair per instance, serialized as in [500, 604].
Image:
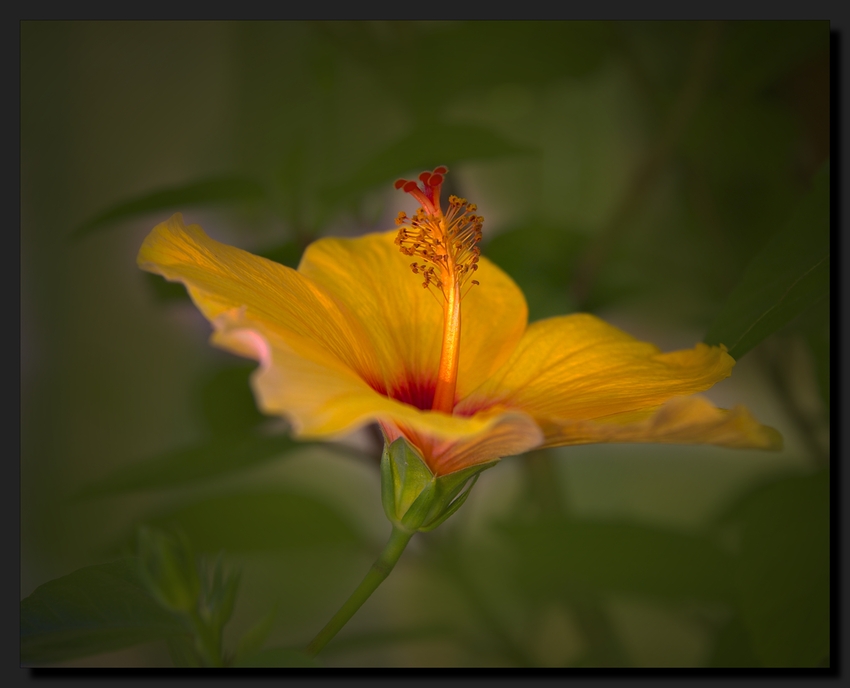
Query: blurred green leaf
[219, 593]
[353, 642]
[426, 147]
[258, 521]
[733, 647]
[783, 571]
[278, 657]
[92, 610]
[288, 254]
[290, 183]
[505, 52]
[789, 275]
[205, 192]
[207, 460]
[227, 402]
[541, 258]
[742, 139]
[816, 331]
[164, 291]
[573, 557]
[742, 152]
[182, 651]
[168, 569]
[757, 54]
[524, 52]
[255, 637]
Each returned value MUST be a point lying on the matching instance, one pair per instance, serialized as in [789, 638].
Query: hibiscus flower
[438, 350]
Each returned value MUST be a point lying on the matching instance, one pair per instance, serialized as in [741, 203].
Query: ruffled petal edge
[681, 420]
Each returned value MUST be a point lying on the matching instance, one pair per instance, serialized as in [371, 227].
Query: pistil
[448, 244]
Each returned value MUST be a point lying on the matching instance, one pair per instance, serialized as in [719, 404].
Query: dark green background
[670, 177]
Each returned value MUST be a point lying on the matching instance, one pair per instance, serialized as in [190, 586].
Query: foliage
[786, 278]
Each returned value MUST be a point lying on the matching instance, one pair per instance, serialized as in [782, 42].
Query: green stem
[376, 575]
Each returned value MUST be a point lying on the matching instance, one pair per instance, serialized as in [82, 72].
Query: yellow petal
[323, 398]
[404, 321]
[275, 298]
[578, 367]
[681, 420]
[318, 361]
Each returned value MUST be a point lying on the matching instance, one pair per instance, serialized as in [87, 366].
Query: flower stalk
[414, 500]
[376, 575]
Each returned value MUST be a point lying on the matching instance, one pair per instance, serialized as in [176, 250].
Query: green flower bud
[414, 498]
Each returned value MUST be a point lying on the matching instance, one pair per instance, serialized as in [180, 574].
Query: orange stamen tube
[444, 394]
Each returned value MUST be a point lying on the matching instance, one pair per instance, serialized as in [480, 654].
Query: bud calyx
[414, 498]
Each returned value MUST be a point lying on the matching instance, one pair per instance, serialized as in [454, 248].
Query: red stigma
[429, 193]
